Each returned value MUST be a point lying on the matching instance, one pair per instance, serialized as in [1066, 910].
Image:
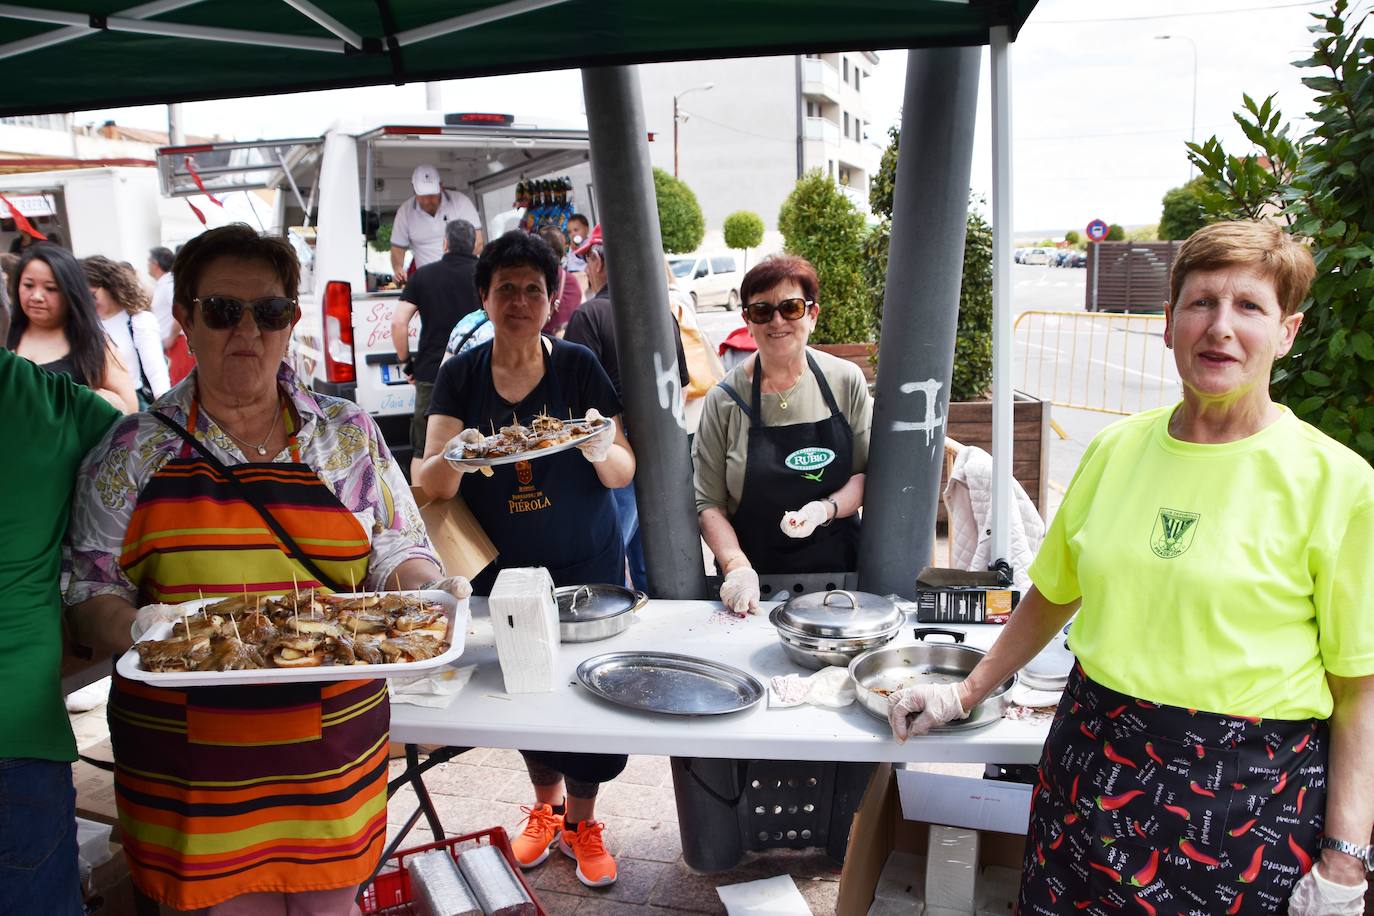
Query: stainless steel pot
[880, 672]
[821, 629]
[587, 613]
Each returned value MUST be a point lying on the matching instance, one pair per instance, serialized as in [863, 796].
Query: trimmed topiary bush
[819, 223]
[743, 229]
[679, 215]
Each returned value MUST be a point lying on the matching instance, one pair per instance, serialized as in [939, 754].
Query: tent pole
[920, 311]
[1001, 294]
[644, 333]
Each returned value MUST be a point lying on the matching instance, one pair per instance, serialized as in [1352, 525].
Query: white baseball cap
[425, 180]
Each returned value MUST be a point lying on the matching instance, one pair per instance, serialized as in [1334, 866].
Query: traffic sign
[1097, 230]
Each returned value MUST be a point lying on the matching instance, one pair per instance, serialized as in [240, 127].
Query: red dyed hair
[776, 269]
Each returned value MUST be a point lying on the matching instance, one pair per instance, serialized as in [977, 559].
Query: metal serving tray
[677, 685]
[574, 442]
[457, 611]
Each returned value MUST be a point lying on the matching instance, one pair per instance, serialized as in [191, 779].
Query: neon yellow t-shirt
[1228, 578]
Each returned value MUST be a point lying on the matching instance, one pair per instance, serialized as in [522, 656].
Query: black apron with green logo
[785, 468]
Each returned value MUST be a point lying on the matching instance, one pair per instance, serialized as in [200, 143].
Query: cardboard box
[110, 891]
[95, 792]
[879, 828]
[459, 540]
[961, 596]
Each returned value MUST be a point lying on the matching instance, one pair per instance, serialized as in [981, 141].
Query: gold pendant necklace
[783, 396]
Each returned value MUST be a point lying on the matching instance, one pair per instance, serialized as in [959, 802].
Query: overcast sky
[1101, 108]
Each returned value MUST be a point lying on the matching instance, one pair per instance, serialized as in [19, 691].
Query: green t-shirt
[50, 424]
[1228, 578]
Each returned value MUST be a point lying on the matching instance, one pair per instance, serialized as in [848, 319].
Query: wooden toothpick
[352, 582]
[235, 622]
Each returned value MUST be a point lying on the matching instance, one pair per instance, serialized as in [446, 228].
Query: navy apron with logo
[553, 512]
[785, 468]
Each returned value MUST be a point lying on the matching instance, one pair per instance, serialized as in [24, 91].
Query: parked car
[709, 279]
[1019, 256]
[1036, 256]
[1077, 259]
[1061, 257]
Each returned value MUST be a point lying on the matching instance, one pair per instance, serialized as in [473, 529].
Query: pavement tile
[504, 758]
[459, 814]
[556, 904]
[681, 888]
[594, 907]
[467, 780]
[820, 894]
[647, 771]
[647, 802]
[636, 881]
[657, 841]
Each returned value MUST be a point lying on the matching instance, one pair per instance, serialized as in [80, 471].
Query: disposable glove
[740, 591]
[1314, 895]
[457, 586]
[455, 445]
[598, 447]
[805, 520]
[149, 616]
[932, 704]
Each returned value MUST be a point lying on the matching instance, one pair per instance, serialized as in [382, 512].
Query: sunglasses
[272, 313]
[791, 309]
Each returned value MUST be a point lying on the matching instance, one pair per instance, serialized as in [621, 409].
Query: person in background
[555, 512]
[593, 326]
[1212, 744]
[568, 295]
[53, 323]
[180, 362]
[52, 423]
[21, 242]
[420, 220]
[124, 312]
[703, 365]
[578, 230]
[8, 262]
[440, 293]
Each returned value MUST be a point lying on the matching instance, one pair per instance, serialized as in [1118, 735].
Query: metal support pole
[175, 135]
[644, 333]
[1001, 294]
[920, 312]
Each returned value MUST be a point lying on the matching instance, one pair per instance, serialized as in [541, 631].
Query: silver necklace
[260, 448]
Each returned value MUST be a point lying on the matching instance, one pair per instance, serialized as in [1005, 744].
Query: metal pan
[457, 454]
[880, 672]
[676, 685]
[587, 613]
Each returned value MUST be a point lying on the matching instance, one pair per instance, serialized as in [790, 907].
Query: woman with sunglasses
[248, 799]
[783, 442]
[53, 323]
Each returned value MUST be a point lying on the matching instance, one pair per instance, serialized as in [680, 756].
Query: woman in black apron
[800, 447]
[556, 512]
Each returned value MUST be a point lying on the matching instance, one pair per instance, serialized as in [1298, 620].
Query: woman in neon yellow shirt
[1208, 749]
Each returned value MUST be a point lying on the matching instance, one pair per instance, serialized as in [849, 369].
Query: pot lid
[838, 614]
[593, 602]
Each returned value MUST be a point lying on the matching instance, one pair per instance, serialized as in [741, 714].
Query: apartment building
[742, 143]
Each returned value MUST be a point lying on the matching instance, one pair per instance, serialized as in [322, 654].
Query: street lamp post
[1192, 130]
[676, 117]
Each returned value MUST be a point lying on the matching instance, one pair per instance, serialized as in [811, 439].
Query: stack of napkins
[524, 618]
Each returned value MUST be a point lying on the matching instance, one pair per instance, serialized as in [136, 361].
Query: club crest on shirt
[524, 472]
[810, 461]
[1173, 532]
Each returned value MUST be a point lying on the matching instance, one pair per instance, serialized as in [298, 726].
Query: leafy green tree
[1322, 186]
[743, 229]
[383, 240]
[679, 215]
[1116, 233]
[1148, 233]
[1184, 212]
[973, 337]
[819, 223]
[1073, 238]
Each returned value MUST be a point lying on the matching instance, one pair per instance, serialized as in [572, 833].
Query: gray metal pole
[644, 333]
[920, 312]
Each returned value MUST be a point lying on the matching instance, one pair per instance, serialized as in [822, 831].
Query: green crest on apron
[1173, 533]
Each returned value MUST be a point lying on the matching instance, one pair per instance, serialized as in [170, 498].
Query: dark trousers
[423, 392]
[582, 773]
[38, 872]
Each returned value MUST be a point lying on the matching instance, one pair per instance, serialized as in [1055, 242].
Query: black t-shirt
[464, 389]
[593, 326]
[443, 292]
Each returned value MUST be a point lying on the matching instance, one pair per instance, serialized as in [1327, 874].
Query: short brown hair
[776, 269]
[119, 281]
[1245, 243]
[236, 240]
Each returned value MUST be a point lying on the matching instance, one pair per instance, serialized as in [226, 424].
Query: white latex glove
[1314, 895]
[932, 704]
[149, 616]
[457, 586]
[740, 591]
[466, 437]
[805, 520]
[597, 447]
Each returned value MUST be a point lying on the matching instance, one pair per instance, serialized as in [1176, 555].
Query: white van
[335, 191]
[709, 279]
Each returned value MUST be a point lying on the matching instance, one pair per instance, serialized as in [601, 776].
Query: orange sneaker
[542, 829]
[595, 867]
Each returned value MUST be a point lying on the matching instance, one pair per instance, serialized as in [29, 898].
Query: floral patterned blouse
[335, 437]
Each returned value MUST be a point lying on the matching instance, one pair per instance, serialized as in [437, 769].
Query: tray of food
[303, 636]
[545, 435]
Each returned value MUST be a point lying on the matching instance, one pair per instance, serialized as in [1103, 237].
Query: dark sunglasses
[792, 309]
[272, 313]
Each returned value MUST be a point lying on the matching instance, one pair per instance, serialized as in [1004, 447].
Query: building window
[857, 74]
[47, 121]
[846, 125]
[846, 69]
[830, 168]
[813, 109]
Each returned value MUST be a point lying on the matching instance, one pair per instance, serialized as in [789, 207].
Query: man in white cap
[420, 222]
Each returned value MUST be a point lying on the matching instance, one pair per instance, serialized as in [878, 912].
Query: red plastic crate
[390, 892]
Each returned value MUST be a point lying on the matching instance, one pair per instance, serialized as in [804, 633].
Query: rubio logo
[811, 462]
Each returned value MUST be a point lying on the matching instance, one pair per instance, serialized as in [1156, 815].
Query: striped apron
[224, 791]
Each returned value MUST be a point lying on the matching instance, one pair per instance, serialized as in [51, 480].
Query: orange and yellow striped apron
[225, 791]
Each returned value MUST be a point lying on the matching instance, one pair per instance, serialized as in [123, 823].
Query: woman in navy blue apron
[556, 512]
[779, 472]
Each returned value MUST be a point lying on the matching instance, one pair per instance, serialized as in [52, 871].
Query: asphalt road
[1068, 358]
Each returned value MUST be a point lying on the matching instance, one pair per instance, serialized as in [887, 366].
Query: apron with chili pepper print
[1149, 809]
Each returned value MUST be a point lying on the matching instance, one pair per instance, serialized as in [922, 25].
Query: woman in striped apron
[259, 799]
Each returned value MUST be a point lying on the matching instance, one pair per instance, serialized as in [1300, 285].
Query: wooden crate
[970, 423]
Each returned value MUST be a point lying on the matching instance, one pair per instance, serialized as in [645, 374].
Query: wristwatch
[1364, 853]
[835, 513]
